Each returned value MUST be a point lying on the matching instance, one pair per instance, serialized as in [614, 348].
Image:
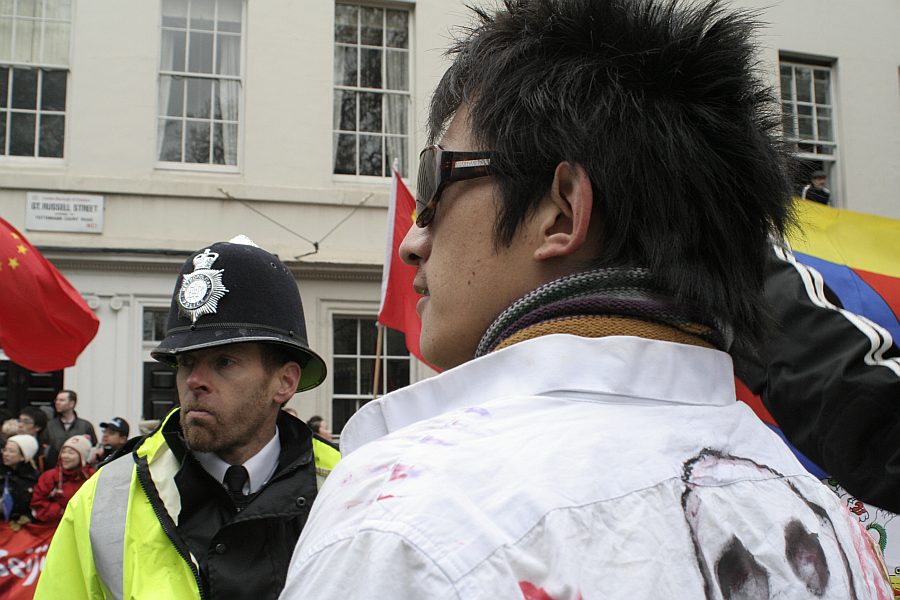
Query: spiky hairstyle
[660, 101]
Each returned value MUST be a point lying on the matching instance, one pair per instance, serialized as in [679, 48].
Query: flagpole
[378, 343]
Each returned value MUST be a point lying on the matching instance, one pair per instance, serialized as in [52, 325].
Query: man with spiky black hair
[584, 259]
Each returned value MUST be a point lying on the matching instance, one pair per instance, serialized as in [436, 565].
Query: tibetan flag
[398, 299]
[44, 322]
[858, 256]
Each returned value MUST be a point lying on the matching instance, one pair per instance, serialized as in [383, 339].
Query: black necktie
[236, 477]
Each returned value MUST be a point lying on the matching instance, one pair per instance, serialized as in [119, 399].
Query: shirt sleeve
[370, 564]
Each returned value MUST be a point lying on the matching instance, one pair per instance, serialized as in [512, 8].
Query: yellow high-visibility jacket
[118, 538]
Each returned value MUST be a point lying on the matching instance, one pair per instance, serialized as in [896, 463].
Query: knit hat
[26, 443]
[81, 444]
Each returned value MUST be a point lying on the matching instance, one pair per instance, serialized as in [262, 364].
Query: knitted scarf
[604, 302]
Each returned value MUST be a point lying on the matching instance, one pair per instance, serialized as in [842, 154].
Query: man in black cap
[815, 190]
[115, 435]
[212, 502]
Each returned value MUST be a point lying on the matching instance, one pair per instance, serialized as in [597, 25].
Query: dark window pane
[345, 69]
[341, 411]
[345, 154]
[786, 83]
[53, 90]
[225, 144]
[21, 142]
[397, 375]
[200, 55]
[396, 149]
[345, 376]
[805, 121]
[3, 116]
[171, 90]
[199, 98]
[397, 34]
[344, 336]
[366, 375]
[345, 23]
[370, 162]
[196, 142]
[345, 108]
[202, 14]
[53, 128]
[370, 112]
[397, 70]
[174, 13]
[170, 149]
[368, 335]
[396, 343]
[370, 71]
[822, 85]
[371, 24]
[230, 15]
[173, 50]
[228, 55]
[24, 88]
[4, 85]
[804, 84]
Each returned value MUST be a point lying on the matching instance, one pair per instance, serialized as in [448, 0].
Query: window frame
[362, 396]
[207, 167]
[796, 142]
[41, 66]
[405, 169]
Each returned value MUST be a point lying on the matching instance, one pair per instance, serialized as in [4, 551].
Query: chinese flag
[398, 299]
[44, 322]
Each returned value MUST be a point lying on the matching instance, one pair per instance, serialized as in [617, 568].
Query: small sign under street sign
[46, 211]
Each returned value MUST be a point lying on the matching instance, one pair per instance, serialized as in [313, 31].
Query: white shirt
[564, 468]
[261, 466]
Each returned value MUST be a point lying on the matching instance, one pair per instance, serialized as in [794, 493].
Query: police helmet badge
[202, 289]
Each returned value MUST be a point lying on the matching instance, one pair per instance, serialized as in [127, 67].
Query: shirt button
[220, 548]
[301, 502]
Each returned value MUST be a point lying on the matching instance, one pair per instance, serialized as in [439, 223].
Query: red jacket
[54, 489]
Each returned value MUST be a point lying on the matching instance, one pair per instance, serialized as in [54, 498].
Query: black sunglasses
[437, 169]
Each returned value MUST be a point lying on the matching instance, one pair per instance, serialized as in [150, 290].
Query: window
[155, 320]
[34, 59]
[371, 90]
[806, 109]
[353, 371]
[200, 81]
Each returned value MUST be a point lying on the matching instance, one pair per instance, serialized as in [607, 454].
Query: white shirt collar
[635, 369]
[261, 466]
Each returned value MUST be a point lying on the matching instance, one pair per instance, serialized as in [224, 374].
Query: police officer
[211, 504]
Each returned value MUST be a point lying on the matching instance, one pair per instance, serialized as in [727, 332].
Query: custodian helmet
[236, 292]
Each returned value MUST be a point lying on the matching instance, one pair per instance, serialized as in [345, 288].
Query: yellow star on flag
[16, 236]
[13, 263]
[22, 248]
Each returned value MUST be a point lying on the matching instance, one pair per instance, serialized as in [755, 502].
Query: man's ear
[288, 378]
[564, 217]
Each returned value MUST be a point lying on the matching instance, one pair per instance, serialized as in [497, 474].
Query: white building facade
[191, 121]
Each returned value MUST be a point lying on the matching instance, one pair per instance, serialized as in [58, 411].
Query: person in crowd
[815, 190]
[9, 428]
[212, 503]
[583, 260]
[19, 475]
[33, 421]
[115, 435]
[56, 487]
[319, 426]
[64, 425]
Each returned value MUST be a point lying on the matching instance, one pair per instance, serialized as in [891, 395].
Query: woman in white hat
[18, 475]
[56, 486]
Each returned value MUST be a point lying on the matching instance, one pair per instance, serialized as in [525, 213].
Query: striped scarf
[604, 302]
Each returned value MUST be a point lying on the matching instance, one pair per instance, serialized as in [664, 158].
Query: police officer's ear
[288, 376]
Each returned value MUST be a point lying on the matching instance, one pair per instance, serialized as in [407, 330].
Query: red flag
[398, 299]
[44, 322]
